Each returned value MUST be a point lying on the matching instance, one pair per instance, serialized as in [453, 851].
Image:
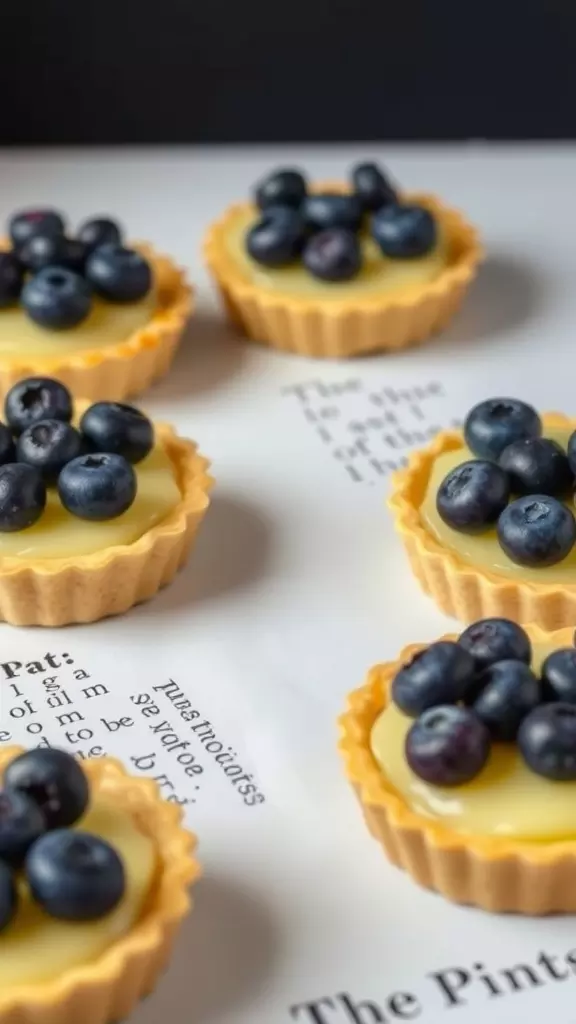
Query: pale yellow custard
[483, 550]
[35, 947]
[506, 799]
[379, 275]
[58, 534]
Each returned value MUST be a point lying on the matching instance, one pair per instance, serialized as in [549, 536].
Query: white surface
[298, 585]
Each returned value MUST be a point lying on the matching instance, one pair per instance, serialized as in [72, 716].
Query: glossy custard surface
[483, 550]
[506, 799]
[36, 948]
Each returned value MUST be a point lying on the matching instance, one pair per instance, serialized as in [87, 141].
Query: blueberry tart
[102, 314]
[99, 506]
[95, 870]
[462, 754]
[335, 269]
[487, 515]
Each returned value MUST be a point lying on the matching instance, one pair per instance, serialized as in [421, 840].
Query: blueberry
[75, 876]
[43, 251]
[439, 674]
[547, 741]
[537, 465]
[34, 399]
[447, 746]
[333, 255]
[22, 497]
[472, 495]
[404, 232]
[54, 780]
[372, 187]
[120, 429]
[332, 210]
[536, 530]
[571, 450]
[282, 188]
[559, 675]
[505, 693]
[7, 447]
[8, 896]
[57, 298]
[99, 231]
[492, 640]
[494, 424]
[11, 279]
[48, 445]
[277, 238]
[74, 255]
[28, 223]
[21, 824]
[118, 274]
[97, 487]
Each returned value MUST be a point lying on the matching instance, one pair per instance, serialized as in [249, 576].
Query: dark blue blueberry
[372, 187]
[277, 238]
[536, 530]
[54, 780]
[537, 465]
[558, 674]
[332, 210]
[282, 188]
[43, 251]
[118, 274]
[404, 232]
[34, 399]
[57, 298]
[7, 447]
[492, 640]
[74, 255]
[547, 741]
[571, 450]
[505, 693]
[494, 424]
[22, 497]
[439, 674]
[8, 896]
[75, 876]
[99, 231]
[11, 279]
[48, 445]
[333, 255]
[97, 487]
[447, 746]
[21, 824]
[27, 223]
[472, 495]
[117, 428]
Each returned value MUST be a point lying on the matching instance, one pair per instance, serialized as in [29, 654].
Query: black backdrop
[186, 71]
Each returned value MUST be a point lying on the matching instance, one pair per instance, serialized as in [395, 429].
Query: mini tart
[464, 591]
[85, 588]
[109, 988]
[114, 372]
[350, 326]
[493, 873]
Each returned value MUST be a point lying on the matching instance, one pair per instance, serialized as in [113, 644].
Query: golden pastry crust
[85, 588]
[463, 591]
[347, 327]
[114, 372]
[495, 874]
[109, 988]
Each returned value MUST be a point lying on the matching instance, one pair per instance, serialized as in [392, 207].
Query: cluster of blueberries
[92, 466]
[512, 458]
[467, 694]
[55, 277]
[322, 228]
[72, 875]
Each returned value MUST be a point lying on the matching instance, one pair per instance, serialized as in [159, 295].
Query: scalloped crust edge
[58, 592]
[498, 875]
[114, 372]
[346, 328]
[109, 988]
[463, 591]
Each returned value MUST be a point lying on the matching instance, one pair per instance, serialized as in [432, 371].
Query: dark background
[190, 71]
